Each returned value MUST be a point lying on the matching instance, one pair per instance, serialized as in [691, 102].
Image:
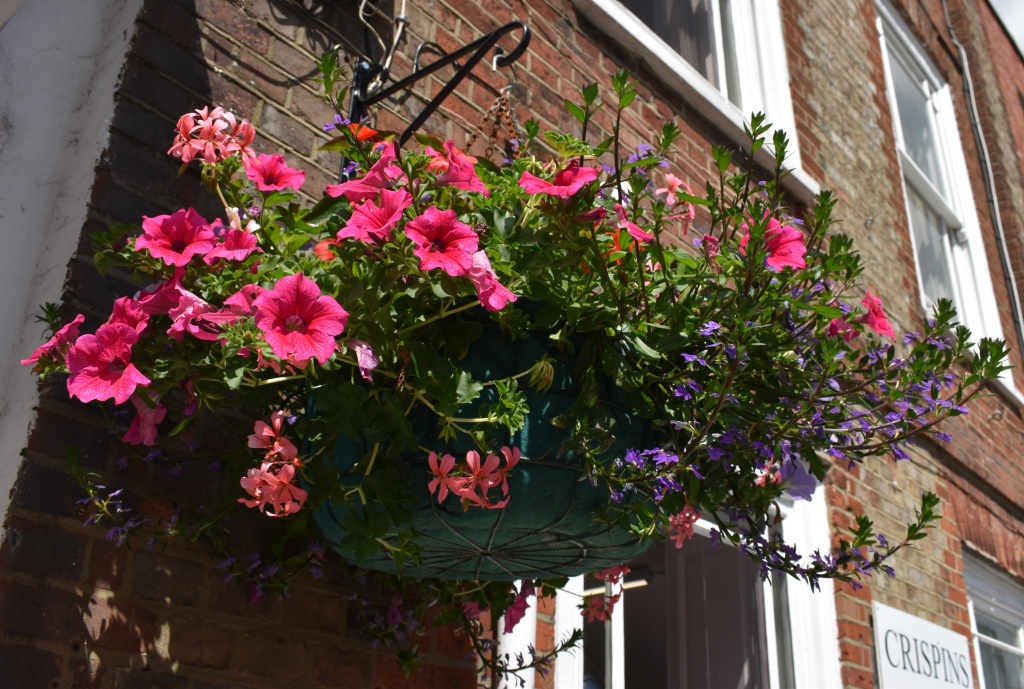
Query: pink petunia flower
[379, 177]
[784, 244]
[491, 293]
[56, 348]
[298, 322]
[839, 327]
[595, 215]
[130, 313]
[143, 428]
[176, 238]
[269, 438]
[442, 241]
[236, 243]
[158, 299]
[272, 485]
[455, 169]
[444, 481]
[370, 223]
[365, 357]
[270, 173]
[472, 609]
[187, 317]
[517, 611]
[635, 231]
[323, 250]
[566, 182]
[101, 366]
[682, 525]
[875, 318]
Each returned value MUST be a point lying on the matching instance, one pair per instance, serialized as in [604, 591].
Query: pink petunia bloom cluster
[442, 241]
[270, 173]
[874, 318]
[213, 136]
[784, 244]
[565, 183]
[56, 348]
[517, 611]
[472, 481]
[455, 169]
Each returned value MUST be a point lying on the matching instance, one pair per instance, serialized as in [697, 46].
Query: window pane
[698, 623]
[1002, 670]
[916, 122]
[996, 629]
[688, 28]
[929, 241]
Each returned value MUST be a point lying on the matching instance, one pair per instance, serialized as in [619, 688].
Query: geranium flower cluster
[473, 480]
[212, 135]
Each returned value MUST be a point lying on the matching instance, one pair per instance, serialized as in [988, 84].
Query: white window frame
[761, 62]
[965, 249]
[814, 635]
[1000, 597]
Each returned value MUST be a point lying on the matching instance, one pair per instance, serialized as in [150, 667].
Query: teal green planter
[547, 529]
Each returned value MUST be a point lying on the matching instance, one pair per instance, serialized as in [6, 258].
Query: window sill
[620, 24]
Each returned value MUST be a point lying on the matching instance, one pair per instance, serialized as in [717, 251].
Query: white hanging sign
[913, 653]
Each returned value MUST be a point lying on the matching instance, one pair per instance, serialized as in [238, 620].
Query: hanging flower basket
[548, 530]
[517, 371]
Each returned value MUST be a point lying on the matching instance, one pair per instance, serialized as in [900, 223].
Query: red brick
[389, 676]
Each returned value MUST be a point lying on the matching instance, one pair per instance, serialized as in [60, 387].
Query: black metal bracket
[476, 50]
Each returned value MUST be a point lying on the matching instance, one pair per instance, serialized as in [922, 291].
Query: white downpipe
[519, 642]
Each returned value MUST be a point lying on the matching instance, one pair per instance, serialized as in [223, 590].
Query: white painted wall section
[59, 66]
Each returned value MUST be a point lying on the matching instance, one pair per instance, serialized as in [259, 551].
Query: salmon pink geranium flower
[271, 485]
[875, 318]
[444, 481]
[784, 244]
[270, 173]
[442, 241]
[176, 238]
[269, 438]
[101, 367]
[566, 182]
[298, 322]
[370, 222]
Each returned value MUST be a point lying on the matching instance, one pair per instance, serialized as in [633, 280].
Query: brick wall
[77, 612]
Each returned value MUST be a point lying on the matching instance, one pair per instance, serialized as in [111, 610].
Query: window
[692, 617]
[726, 57]
[701, 617]
[996, 605]
[948, 249]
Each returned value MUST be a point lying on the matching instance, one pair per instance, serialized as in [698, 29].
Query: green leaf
[829, 312]
[695, 199]
[427, 140]
[337, 144]
[325, 209]
[575, 110]
[644, 349]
